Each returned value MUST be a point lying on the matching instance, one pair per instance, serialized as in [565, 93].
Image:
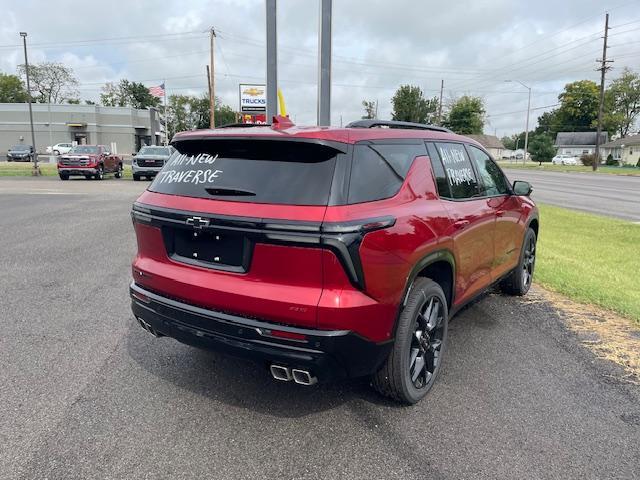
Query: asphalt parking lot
[610, 195]
[86, 393]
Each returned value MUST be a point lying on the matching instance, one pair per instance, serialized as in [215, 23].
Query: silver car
[149, 161]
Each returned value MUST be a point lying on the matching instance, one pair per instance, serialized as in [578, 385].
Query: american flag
[157, 91]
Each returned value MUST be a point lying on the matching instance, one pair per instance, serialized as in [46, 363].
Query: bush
[587, 160]
[611, 161]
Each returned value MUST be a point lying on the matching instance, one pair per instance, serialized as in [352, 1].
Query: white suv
[59, 148]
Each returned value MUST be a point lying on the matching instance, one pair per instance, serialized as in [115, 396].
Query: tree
[187, 112]
[541, 147]
[12, 89]
[578, 110]
[50, 82]
[622, 102]
[548, 123]
[466, 115]
[409, 105]
[370, 108]
[127, 94]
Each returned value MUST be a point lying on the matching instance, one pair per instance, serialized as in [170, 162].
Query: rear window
[258, 171]
[379, 170]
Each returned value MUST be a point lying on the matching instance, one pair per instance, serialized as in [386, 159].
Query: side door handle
[460, 224]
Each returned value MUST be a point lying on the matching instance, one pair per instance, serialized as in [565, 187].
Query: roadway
[611, 195]
[86, 393]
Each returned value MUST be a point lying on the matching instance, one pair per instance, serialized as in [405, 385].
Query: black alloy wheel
[426, 343]
[412, 367]
[519, 281]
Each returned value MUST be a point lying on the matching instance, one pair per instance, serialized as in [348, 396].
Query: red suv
[326, 253]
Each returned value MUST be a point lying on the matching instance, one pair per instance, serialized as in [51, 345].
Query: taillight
[345, 238]
[298, 337]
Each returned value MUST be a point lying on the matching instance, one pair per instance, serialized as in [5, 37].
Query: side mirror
[133, 154]
[522, 188]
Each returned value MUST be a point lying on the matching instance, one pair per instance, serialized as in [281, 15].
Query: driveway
[611, 195]
[86, 393]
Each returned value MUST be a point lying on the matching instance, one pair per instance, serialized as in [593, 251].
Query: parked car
[59, 148]
[326, 253]
[149, 161]
[563, 159]
[90, 161]
[20, 153]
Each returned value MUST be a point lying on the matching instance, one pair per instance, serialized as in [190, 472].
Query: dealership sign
[253, 98]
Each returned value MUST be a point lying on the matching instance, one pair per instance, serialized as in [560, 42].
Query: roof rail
[395, 124]
[244, 125]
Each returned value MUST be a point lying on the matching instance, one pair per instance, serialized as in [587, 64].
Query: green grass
[629, 170]
[20, 169]
[590, 259]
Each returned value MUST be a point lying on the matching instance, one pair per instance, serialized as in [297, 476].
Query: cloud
[377, 45]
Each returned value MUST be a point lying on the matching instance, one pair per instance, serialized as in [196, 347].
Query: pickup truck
[92, 161]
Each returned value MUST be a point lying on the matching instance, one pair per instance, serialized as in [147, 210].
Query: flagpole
[166, 115]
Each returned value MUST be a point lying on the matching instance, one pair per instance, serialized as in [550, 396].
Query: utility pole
[36, 169]
[272, 61]
[166, 114]
[603, 70]
[324, 77]
[212, 86]
[209, 82]
[526, 123]
[440, 104]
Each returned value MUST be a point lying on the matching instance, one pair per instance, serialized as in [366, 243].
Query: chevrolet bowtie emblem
[197, 222]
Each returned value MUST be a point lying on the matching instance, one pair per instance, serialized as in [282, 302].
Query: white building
[626, 150]
[577, 144]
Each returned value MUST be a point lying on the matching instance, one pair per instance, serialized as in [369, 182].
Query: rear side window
[378, 170]
[459, 171]
[259, 171]
[438, 171]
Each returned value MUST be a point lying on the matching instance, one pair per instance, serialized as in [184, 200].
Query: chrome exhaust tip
[281, 373]
[302, 377]
[148, 327]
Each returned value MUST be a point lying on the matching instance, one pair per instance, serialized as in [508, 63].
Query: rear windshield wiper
[231, 192]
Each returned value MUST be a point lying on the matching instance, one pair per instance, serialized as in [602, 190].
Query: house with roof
[625, 150]
[577, 144]
[491, 143]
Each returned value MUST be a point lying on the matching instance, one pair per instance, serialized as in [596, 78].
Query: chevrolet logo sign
[198, 223]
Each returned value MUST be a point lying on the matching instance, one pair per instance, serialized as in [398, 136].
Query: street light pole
[526, 128]
[36, 170]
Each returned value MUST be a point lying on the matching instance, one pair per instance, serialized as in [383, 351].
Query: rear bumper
[327, 354]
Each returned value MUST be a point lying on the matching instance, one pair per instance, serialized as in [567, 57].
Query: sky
[481, 47]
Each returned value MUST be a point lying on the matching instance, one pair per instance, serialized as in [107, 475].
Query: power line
[127, 39]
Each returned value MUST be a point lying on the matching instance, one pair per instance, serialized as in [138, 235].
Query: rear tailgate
[234, 225]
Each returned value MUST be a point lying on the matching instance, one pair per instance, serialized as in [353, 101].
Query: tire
[100, 174]
[87, 177]
[417, 336]
[136, 178]
[519, 280]
[9, 159]
[56, 152]
[118, 173]
[63, 176]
